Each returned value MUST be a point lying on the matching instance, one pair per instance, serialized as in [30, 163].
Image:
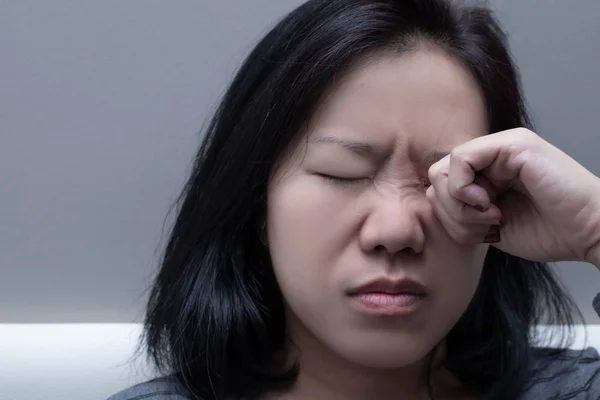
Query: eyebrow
[360, 148]
[366, 150]
[431, 157]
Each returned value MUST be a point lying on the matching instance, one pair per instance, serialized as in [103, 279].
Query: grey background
[101, 105]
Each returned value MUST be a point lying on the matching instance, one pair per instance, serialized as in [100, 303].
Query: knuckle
[434, 171]
[526, 135]
[457, 153]
[436, 175]
[430, 193]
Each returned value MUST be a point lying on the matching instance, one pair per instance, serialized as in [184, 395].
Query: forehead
[423, 98]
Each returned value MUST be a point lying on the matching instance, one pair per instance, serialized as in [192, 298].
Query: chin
[380, 356]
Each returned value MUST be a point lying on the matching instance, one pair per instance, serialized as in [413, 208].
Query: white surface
[67, 361]
[89, 361]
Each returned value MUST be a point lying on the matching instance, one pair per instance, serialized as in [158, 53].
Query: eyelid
[338, 180]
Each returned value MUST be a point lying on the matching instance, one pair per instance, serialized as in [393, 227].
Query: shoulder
[570, 374]
[165, 388]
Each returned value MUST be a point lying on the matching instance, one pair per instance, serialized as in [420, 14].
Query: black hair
[215, 317]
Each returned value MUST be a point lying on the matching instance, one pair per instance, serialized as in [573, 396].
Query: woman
[360, 220]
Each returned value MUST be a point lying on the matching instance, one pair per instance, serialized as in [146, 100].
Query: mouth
[388, 297]
[391, 287]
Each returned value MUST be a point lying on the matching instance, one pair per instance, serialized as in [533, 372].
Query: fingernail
[493, 235]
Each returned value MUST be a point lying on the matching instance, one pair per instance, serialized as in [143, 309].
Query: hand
[548, 205]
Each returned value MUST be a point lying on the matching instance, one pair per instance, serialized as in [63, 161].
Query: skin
[549, 204]
[403, 112]
[407, 209]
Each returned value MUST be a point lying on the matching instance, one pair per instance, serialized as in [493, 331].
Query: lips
[385, 297]
[390, 287]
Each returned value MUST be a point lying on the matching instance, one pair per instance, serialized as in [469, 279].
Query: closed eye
[342, 181]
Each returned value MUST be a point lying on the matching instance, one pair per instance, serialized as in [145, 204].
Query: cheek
[305, 221]
[458, 280]
[306, 235]
[456, 277]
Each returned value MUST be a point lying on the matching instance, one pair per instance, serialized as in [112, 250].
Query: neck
[321, 378]
[324, 375]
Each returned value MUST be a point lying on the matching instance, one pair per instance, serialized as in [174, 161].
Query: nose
[395, 225]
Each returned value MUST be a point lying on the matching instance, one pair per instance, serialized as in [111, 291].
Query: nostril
[409, 251]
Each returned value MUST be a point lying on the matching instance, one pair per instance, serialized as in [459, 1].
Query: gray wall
[101, 105]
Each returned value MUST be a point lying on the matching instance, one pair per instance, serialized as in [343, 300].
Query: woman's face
[348, 209]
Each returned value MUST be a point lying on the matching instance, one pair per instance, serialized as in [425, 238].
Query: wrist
[593, 256]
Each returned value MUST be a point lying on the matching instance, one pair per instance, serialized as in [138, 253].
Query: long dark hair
[215, 316]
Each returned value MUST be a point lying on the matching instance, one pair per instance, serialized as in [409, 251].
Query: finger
[486, 193]
[459, 210]
[464, 233]
[463, 213]
[490, 153]
[493, 235]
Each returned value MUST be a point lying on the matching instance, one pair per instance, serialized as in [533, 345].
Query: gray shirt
[581, 382]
